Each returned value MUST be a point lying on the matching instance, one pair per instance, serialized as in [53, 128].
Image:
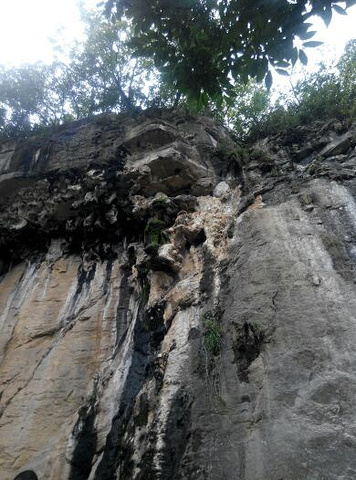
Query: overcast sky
[27, 25]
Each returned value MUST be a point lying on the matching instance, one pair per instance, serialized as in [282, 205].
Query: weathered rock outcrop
[176, 306]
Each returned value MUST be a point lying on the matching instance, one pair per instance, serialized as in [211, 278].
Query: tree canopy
[330, 92]
[97, 75]
[204, 47]
[109, 72]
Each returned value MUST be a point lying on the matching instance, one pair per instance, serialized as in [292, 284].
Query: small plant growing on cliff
[161, 200]
[153, 232]
[226, 149]
[213, 332]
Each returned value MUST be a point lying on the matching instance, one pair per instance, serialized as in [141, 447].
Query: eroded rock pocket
[248, 339]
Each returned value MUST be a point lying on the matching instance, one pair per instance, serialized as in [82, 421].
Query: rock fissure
[28, 380]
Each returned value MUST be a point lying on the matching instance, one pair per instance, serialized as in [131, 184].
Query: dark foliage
[203, 47]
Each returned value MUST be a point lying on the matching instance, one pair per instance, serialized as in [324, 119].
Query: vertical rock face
[176, 307]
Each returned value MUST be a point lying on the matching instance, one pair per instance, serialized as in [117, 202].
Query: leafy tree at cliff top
[329, 93]
[29, 96]
[97, 75]
[100, 75]
[103, 75]
[203, 47]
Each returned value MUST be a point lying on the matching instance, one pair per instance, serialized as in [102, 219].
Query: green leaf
[307, 35]
[268, 80]
[261, 68]
[339, 10]
[312, 44]
[303, 58]
[282, 64]
[326, 15]
[350, 3]
[260, 76]
[218, 100]
[204, 99]
[294, 57]
[244, 75]
[282, 72]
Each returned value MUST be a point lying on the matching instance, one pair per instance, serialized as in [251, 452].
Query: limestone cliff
[176, 306]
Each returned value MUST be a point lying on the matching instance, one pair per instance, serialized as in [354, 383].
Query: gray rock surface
[174, 306]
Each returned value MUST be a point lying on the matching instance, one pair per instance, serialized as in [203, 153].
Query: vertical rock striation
[176, 306]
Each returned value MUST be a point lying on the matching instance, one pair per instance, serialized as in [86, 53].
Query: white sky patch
[341, 29]
[26, 27]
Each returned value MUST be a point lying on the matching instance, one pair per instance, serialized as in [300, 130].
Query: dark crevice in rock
[148, 335]
[107, 279]
[122, 320]
[206, 285]
[18, 249]
[85, 276]
[177, 435]
[86, 440]
[247, 344]
[148, 471]
[154, 323]
[177, 438]
[157, 365]
[117, 453]
[338, 253]
[245, 202]
[26, 475]
[199, 239]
